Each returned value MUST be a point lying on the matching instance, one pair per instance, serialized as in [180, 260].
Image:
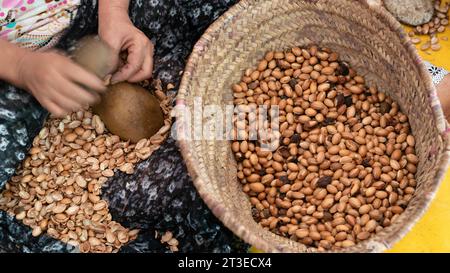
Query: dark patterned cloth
[21, 117]
[159, 196]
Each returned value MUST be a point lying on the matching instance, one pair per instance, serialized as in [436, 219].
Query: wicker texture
[367, 37]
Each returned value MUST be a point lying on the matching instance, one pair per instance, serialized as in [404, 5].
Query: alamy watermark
[211, 122]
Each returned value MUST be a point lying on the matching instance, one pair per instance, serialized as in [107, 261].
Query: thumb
[132, 66]
[124, 73]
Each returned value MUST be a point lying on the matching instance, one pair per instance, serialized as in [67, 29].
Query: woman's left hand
[117, 30]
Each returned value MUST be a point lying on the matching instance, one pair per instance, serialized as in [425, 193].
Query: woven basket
[367, 37]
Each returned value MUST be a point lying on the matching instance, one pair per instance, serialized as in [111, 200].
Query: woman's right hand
[59, 84]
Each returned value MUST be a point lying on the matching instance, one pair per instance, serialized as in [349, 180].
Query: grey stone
[412, 12]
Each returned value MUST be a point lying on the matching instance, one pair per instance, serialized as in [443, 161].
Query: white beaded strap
[437, 73]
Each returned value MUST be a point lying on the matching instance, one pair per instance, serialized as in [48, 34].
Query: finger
[54, 109]
[78, 93]
[66, 103]
[83, 77]
[146, 70]
[134, 63]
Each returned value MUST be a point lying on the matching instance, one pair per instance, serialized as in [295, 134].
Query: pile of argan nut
[438, 24]
[344, 166]
[57, 189]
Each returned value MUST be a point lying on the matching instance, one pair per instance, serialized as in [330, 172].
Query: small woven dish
[368, 38]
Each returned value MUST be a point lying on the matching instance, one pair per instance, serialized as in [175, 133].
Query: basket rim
[221, 212]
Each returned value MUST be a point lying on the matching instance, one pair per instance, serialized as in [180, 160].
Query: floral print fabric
[35, 23]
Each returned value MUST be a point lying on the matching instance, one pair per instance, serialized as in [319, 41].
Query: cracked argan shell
[130, 111]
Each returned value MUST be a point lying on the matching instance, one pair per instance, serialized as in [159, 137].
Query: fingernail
[114, 80]
[107, 80]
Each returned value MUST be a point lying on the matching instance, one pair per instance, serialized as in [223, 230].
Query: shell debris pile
[57, 189]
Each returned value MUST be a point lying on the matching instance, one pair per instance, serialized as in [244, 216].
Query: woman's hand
[57, 82]
[117, 30]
